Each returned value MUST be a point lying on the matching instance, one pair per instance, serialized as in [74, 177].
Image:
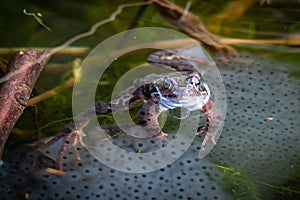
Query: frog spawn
[260, 137]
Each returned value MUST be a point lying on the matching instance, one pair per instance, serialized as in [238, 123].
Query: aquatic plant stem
[53, 92]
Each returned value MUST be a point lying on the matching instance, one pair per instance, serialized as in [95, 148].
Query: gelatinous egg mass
[257, 153]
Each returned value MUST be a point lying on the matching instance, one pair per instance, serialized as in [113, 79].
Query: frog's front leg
[214, 122]
[148, 118]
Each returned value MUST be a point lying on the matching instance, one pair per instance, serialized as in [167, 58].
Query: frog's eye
[169, 53]
[167, 83]
[168, 56]
[193, 81]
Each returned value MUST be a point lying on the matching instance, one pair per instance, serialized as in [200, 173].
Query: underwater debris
[37, 18]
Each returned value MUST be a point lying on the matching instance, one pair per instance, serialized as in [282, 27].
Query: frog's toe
[208, 136]
[162, 136]
[74, 139]
[201, 130]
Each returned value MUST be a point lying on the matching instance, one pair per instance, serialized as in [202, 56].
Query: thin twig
[37, 18]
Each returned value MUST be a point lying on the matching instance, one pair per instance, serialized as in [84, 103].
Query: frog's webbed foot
[70, 136]
[214, 123]
[208, 136]
[72, 139]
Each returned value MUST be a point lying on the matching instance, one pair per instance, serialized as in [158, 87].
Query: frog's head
[192, 95]
[198, 86]
[171, 60]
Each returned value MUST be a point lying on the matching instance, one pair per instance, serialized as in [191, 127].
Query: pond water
[256, 157]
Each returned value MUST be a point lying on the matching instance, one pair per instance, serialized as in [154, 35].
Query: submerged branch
[24, 69]
[192, 26]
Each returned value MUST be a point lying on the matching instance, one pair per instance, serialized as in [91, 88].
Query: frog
[182, 87]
